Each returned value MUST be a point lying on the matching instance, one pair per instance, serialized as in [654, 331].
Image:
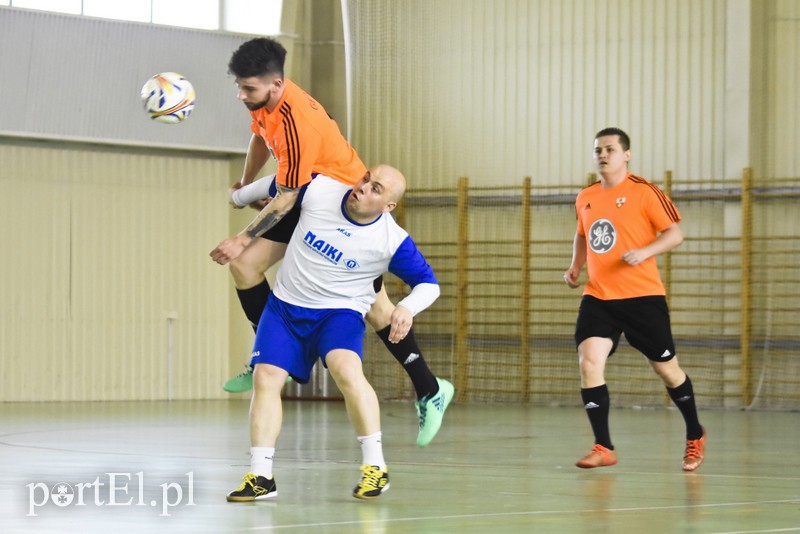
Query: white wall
[79, 78]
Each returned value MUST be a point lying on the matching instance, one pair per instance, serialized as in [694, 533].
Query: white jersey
[331, 261]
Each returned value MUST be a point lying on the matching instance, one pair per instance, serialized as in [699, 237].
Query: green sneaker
[241, 382]
[431, 412]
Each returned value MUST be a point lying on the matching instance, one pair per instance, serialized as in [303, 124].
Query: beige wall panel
[783, 89]
[112, 260]
[34, 286]
[497, 90]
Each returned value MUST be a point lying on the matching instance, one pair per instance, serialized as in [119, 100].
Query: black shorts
[282, 232]
[643, 320]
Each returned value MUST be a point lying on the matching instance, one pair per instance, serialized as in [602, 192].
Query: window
[260, 17]
[60, 6]
[136, 10]
[202, 14]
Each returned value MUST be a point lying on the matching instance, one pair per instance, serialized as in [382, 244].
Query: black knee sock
[408, 354]
[596, 401]
[683, 397]
[253, 301]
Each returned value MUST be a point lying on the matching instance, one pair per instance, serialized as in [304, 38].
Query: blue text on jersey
[326, 250]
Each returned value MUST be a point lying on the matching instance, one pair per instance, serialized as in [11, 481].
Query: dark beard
[254, 107]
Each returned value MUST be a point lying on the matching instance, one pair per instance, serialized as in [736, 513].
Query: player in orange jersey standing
[624, 222]
[291, 126]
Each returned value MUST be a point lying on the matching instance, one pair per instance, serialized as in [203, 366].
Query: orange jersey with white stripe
[628, 216]
[305, 139]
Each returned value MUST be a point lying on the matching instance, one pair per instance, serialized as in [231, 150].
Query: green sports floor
[148, 467]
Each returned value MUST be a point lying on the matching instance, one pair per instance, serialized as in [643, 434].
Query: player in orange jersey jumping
[295, 129]
[624, 222]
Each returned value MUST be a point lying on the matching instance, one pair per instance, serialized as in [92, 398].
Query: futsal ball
[168, 97]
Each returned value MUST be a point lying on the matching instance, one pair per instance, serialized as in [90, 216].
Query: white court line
[793, 529]
[704, 474]
[615, 471]
[540, 512]
[456, 465]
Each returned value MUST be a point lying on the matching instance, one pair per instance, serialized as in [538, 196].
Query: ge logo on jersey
[602, 236]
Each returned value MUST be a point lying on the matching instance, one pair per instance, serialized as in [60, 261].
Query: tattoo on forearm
[274, 213]
[259, 228]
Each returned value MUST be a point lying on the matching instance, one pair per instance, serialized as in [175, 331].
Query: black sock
[408, 354]
[683, 397]
[253, 301]
[596, 401]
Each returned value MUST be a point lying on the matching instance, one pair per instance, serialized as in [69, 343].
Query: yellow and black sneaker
[254, 488]
[373, 482]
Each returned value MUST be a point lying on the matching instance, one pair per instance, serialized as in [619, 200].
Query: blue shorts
[292, 337]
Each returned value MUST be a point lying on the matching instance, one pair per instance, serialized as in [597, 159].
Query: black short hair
[624, 140]
[258, 57]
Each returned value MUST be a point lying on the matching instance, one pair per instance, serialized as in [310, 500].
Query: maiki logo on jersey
[327, 251]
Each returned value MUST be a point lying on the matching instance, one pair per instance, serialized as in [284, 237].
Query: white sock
[372, 450]
[261, 461]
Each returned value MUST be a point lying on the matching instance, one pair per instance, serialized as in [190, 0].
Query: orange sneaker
[599, 457]
[695, 450]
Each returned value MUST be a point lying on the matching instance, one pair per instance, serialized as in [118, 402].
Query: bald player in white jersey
[345, 238]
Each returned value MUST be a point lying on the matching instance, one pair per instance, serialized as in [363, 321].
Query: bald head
[392, 179]
[377, 192]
